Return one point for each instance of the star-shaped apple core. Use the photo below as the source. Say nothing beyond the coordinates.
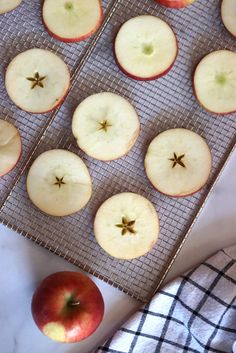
(36, 80)
(59, 182)
(126, 226)
(177, 160)
(104, 125)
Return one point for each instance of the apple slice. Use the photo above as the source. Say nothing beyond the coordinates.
(145, 48)
(67, 306)
(37, 80)
(178, 162)
(105, 126)
(72, 20)
(175, 4)
(8, 5)
(228, 14)
(10, 147)
(58, 183)
(214, 82)
(126, 226)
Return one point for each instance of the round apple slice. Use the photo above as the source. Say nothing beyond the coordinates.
(228, 14)
(175, 4)
(214, 82)
(105, 126)
(178, 162)
(10, 147)
(126, 226)
(8, 5)
(72, 20)
(145, 48)
(58, 183)
(37, 80)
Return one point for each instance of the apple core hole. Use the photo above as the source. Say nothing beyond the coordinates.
(68, 6)
(221, 79)
(59, 182)
(147, 49)
(126, 226)
(104, 125)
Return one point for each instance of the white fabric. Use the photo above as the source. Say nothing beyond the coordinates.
(194, 313)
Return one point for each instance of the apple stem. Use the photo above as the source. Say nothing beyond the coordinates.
(74, 303)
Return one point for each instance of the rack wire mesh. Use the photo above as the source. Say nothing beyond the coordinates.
(161, 104)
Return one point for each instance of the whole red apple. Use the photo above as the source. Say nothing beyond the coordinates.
(175, 4)
(67, 306)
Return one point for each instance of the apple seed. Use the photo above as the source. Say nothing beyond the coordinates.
(177, 160)
(126, 226)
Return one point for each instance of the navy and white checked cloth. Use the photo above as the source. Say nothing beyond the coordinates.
(194, 313)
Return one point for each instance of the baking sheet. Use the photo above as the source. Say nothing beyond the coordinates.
(161, 104)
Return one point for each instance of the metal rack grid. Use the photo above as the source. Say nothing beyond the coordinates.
(20, 30)
(161, 104)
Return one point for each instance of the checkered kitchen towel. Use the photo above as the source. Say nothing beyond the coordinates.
(194, 313)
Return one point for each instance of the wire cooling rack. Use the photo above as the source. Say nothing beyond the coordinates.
(161, 104)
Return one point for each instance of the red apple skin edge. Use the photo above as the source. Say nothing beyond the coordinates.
(20, 154)
(232, 35)
(145, 78)
(123, 155)
(181, 196)
(1, 175)
(58, 104)
(55, 106)
(11, 9)
(46, 214)
(195, 94)
(79, 39)
(175, 4)
(50, 110)
(71, 300)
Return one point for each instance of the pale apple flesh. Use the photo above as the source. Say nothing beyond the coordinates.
(175, 4)
(228, 14)
(145, 48)
(72, 20)
(178, 162)
(214, 82)
(67, 307)
(126, 226)
(59, 183)
(37, 80)
(10, 147)
(8, 5)
(105, 126)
